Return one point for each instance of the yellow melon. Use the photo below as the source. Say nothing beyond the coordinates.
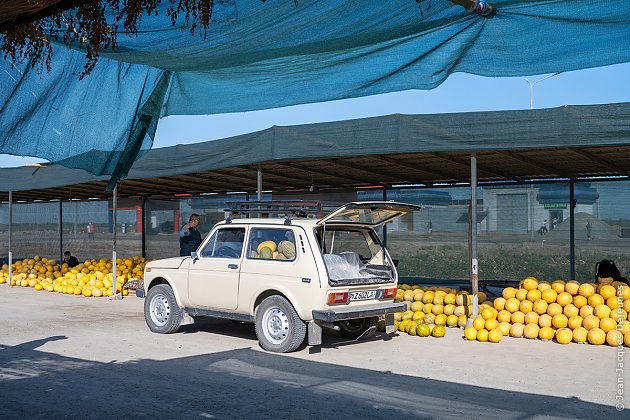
(495, 335)
(529, 283)
(540, 306)
(531, 331)
(460, 310)
(586, 289)
(508, 292)
(418, 316)
(517, 317)
(590, 322)
(482, 297)
(504, 327)
(586, 310)
(417, 306)
(462, 320)
(579, 301)
(580, 334)
(558, 286)
(601, 311)
(595, 300)
(526, 306)
(449, 309)
(521, 294)
(531, 318)
(596, 336)
(504, 316)
(470, 333)
(408, 296)
(546, 333)
(554, 309)
(440, 320)
(544, 285)
(499, 304)
(614, 302)
(626, 339)
(478, 323)
(482, 335)
(96, 292)
(488, 313)
(534, 295)
(572, 287)
(625, 291)
(564, 336)
(625, 327)
(626, 305)
(463, 300)
(564, 299)
(544, 320)
(516, 330)
(570, 310)
(607, 291)
(549, 296)
(559, 321)
(451, 320)
(512, 304)
(417, 295)
(438, 299)
(607, 324)
(427, 308)
(269, 244)
(427, 297)
(491, 324)
(437, 309)
(449, 299)
(575, 321)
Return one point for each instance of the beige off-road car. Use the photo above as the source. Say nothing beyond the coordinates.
(287, 276)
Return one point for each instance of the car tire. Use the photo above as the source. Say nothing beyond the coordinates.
(161, 311)
(354, 329)
(278, 327)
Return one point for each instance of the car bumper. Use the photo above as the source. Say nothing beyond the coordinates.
(342, 314)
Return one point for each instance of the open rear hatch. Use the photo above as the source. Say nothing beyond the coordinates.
(354, 255)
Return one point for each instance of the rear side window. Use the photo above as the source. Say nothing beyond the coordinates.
(271, 244)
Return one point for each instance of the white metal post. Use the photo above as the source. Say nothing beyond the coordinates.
(114, 206)
(473, 232)
(10, 279)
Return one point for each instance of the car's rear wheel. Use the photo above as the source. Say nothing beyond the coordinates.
(278, 327)
(161, 311)
(354, 329)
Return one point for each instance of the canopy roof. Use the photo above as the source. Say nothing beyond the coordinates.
(565, 142)
(275, 53)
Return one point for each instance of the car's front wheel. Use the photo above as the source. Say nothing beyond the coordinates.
(354, 329)
(278, 327)
(161, 311)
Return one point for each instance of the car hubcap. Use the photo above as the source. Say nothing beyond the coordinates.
(160, 310)
(275, 325)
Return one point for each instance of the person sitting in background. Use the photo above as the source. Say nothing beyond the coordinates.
(606, 269)
(70, 260)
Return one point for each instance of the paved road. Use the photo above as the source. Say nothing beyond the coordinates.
(73, 357)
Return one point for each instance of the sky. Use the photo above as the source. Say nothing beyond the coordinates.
(459, 93)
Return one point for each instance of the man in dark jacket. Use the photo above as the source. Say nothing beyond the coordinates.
(189, 236)
(70, 260)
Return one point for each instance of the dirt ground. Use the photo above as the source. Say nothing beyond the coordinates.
(72, 357)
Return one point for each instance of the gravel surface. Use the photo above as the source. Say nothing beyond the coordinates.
(65, 356)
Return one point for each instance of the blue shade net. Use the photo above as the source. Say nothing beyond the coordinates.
(258, 55)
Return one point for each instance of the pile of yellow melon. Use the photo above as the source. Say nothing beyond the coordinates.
(432, 306)
(90, 278)
(559, 311)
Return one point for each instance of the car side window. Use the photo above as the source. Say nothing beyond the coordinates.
(272, 244)
(225, 243)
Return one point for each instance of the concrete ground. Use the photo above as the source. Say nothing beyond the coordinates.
(73, 357)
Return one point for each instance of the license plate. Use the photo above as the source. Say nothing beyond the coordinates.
(362, 295)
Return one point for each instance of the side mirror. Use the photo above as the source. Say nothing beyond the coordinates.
(396, 262)
(194, 256)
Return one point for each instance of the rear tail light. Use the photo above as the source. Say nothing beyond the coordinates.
(335, 298)
(389, 293)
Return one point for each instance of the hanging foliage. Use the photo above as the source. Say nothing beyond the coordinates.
(85, 24)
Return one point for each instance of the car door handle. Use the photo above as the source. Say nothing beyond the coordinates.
(233, 266)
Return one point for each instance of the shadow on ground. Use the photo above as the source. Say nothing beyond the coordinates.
(246, 383)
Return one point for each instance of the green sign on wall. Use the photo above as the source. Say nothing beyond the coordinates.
(555, 205)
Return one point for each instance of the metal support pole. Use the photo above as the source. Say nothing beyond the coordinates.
(143, 220)
(60, 230)
(259, 184)
(385, 225)
(10, 279)
(114, 206)
(572, 228)
(474, 267)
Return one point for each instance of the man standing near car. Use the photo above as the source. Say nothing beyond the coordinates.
(189, 236)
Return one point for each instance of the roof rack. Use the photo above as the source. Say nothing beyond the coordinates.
(289, 208)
